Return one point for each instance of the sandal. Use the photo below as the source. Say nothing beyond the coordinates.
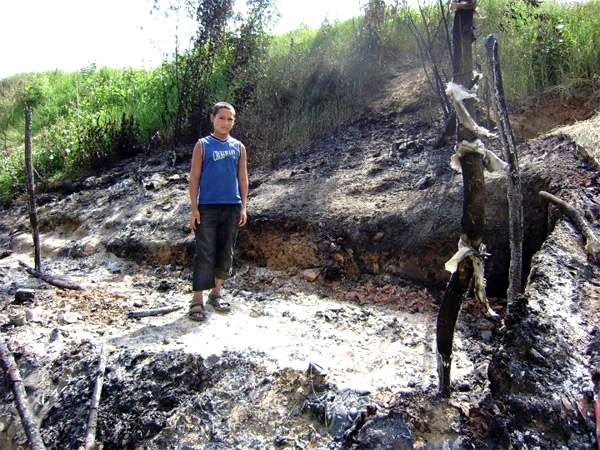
(197, 311)
(219, 303)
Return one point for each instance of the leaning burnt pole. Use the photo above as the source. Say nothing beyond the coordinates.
(468, 259)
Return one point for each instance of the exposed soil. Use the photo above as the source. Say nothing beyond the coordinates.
(369, 215)
(537, 116)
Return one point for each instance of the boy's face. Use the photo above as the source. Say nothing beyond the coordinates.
(223, 121)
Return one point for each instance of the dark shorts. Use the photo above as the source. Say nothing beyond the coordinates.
(215, 241)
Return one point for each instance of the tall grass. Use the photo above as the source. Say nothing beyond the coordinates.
(553, 45)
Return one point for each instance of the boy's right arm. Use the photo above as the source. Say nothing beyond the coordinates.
(195, 173)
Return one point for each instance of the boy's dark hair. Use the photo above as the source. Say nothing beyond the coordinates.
(221, 105)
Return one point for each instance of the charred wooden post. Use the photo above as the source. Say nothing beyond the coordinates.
(13, 378)
(31, 192)
(514, 192)
(473, 217)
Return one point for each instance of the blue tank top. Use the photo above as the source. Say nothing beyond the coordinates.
(219, 177)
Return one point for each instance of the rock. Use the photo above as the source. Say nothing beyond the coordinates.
(69, 317)
(280, 441)
(18, 319)
(33, 315)
(486, 335)
(24, 295)
(386, 431)
(339, 258)
(114, 266)
(264, 275)
(54, 335)
(164, 286)
(156, 181)
(311, 275)
(315, 369)
(339, 421)
(424, 182)
(463, 386)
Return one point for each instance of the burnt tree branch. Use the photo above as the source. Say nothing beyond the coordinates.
(152, 312)
(592, 244)
(513, 192)
(90, 439)
(54, 281)
(13, 377)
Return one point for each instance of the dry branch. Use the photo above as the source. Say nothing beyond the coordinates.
(152, 312)
(90, 439)
(592, 244)
(13, 378)
(54, 281)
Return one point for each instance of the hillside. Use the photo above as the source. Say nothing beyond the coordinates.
(341, 266)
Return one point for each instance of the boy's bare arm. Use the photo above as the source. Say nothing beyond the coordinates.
(195, 173)
(243, 183)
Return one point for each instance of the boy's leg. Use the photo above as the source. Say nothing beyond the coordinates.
(226, 238)
(216, 290)
(205, 255)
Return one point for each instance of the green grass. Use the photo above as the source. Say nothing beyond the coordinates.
(79, 120)
(555, 45)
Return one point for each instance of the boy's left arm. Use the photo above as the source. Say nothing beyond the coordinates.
(243, 183)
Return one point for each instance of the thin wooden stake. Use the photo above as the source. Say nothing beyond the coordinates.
(16, 384)
(513, 192)
(54, 281)
(592, 244)
(31, 192)
(90, 439)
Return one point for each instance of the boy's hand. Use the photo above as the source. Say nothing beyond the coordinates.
(195, 220)
(243, 217)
